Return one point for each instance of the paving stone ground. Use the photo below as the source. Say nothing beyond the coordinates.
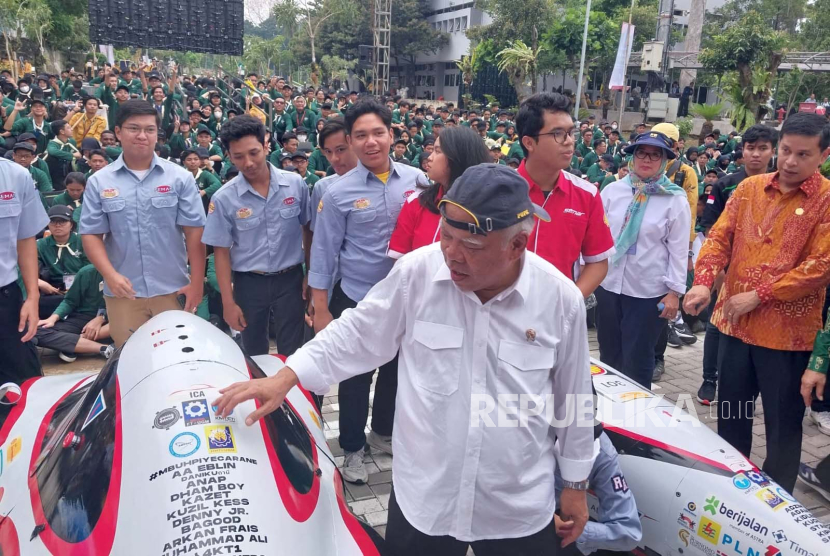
(684, 372)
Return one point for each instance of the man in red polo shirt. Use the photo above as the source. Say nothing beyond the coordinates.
(578, 225)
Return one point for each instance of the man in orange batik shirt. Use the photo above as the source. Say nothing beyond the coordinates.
(774, 237)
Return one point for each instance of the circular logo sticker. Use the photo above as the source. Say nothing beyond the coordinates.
(184, 444)
(166, 418)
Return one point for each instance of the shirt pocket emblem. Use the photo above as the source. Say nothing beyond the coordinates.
(288, 201)
(165, 201)
(363, 216)
(109, 193)
(164, 189)
(244, 212)
(6, 195)
(439, 346)
(113, 205)
(10, 209)
(362, 203)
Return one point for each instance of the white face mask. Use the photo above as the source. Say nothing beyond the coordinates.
(613, 126)
(302, 137)
(24, 89)
(218, 114)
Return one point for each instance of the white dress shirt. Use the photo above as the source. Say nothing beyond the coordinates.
(658, 261)
(453, 478)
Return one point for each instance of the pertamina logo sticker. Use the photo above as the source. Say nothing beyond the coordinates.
(6, 195)
(164, 189)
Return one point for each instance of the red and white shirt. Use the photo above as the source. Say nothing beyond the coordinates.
(577, 227)
(417, 226)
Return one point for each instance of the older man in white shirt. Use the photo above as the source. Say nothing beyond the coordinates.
(476, 318)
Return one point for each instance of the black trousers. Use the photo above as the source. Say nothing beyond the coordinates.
(710, 345)
(258, 295)
(47, 305)
(402, 539)
(65, 334)
(745, 371)
(353, 393)
(18, 361)
(627, 330)
(823, 472)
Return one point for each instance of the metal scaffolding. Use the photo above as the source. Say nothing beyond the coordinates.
(382, 30)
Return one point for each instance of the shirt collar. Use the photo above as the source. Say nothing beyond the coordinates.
(364, 172)
(243, 185)
(520, 286)
(810, 186)
(119, 163)
(561, 183)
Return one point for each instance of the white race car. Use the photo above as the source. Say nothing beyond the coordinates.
(134, 461)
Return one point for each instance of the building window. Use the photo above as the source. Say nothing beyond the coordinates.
(457, 23)
(464, 23)
(451, 25)
(444, 25)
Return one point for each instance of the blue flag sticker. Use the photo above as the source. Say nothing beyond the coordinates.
(97, 408)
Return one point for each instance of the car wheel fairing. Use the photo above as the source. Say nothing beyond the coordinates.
(75, 472)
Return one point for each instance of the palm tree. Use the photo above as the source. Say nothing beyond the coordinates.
(708, 112)
(519, 61)
(467, 66)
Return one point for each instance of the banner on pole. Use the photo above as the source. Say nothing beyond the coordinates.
(623, 53)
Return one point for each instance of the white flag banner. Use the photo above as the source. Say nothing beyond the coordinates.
(623, 53)
(108, 51)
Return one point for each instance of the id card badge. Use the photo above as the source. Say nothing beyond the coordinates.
(68, 279)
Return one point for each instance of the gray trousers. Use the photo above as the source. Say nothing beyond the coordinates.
(65, 334)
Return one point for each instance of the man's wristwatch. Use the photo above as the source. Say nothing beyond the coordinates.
(578, 485)
(691, 254)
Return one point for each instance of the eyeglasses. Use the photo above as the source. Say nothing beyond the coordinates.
(642, 155)
(135, 130)
(559, 135)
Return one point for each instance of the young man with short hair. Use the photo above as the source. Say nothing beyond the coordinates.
(258, 224)
(578, 227)
(141, 227)
(354, 224)
(772, 237)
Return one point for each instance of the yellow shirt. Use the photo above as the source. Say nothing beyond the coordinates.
(383, 177)
(83, 127)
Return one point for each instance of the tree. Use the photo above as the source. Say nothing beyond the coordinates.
(306, 17)
(748, 47)
(412, 35)
(36, 20)
(336, 68)
(512, 21)
(519, 62)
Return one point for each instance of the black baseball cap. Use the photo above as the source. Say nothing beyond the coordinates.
(25, 145)
(495, 196)
(122, 86)
(299, 154)
(60, 212)
(37, 100)
(202, 152)
(26, 137)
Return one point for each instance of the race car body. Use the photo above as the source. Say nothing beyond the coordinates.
(134, 461)
(696, 494)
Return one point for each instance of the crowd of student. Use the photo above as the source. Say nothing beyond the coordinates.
(268, 209)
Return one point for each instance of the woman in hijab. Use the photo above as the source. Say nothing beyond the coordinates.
(649, 218)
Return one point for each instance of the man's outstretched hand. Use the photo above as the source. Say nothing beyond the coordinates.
(269, 392)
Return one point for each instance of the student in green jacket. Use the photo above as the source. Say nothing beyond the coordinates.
(737, 163)
(114, 100)
(61, 151)
(318, 164)
(600, 169)
(78, 324)
(586, 145)
(72, 196)
(109, 144)
(621, 173)
(591, 158)
(36, 123)
(24, 154)
(204, 140)
(398, 153)
(300, 161)
(207, 182)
